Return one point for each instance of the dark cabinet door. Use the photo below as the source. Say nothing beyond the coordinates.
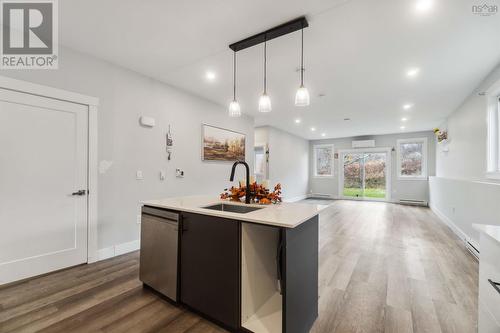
(210, 267)
(300, 276)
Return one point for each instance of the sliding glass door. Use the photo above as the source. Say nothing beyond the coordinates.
(365, 174)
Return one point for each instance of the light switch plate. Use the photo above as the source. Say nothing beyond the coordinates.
(139, 175)
(162, 175)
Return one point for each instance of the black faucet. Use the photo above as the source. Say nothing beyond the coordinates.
(247, 192)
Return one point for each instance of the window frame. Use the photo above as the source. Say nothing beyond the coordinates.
(425, 157)
(315, 169)
(493, 136)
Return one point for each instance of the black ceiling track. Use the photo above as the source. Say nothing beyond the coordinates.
(272, 33)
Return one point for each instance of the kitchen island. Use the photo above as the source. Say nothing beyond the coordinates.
(248, 268)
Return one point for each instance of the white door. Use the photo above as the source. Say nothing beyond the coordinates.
(43, 162)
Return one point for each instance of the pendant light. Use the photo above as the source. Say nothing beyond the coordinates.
(302, 95)
(234, 106)
(264, 100)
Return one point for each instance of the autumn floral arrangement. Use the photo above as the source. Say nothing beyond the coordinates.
(441, 135)
(259, 194)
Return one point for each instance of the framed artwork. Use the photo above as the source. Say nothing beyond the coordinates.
(219, 144)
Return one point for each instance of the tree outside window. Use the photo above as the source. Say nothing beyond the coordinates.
(412, 158)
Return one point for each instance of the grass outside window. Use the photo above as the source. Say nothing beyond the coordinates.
(376, 193)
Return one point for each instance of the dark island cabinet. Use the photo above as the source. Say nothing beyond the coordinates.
(209, 266)
(230, 270)
(299, 264)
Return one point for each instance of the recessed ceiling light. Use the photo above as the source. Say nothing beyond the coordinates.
(210, 76)
(404, 119)
(297, 121)
(323, 134)
(402, 127)
(407, 106)
(412, 72)
(423, 5)
(313, 129)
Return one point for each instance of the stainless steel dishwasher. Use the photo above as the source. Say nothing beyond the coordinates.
(159, 250)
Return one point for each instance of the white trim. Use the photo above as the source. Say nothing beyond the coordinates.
(388, 173)
(315, 175)
(46, 91)
(93, 174)
(456, 230)
(425, 156)
(119, 249)
(493, 135)
(92, 103)
(106, 253)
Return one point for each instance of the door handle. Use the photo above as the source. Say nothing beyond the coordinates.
(79, 192)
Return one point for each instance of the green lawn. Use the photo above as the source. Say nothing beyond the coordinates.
(369, 192)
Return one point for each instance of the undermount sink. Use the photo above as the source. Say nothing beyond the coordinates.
(232, 208)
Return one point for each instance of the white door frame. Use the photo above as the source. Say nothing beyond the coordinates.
(388, 180)
(92, 169)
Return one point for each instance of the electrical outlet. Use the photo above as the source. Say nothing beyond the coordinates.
(162, 175)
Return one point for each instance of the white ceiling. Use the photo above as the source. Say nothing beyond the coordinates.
(356, 54)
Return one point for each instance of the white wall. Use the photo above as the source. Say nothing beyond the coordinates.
(401, 189)
(124, 96)
(467, 130)
(288, 161)
(460, 192)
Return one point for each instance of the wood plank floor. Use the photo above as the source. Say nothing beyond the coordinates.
(383, 268)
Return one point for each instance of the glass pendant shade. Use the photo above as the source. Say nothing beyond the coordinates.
(234, 109)
(264, 103)
(302, 97)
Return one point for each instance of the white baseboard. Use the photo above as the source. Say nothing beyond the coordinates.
(447, 221)
(119, 249)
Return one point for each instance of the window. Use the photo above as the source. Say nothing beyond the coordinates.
(494, 137)
(260, 161)
(412, 158)
(323, 160)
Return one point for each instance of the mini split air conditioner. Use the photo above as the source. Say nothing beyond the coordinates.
(363, 144)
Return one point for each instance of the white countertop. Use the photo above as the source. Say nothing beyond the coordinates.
(491, 230)
(285, 214)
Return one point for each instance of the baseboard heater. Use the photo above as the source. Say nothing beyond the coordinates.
(413, 202)
(472, 249)
(320, 196)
